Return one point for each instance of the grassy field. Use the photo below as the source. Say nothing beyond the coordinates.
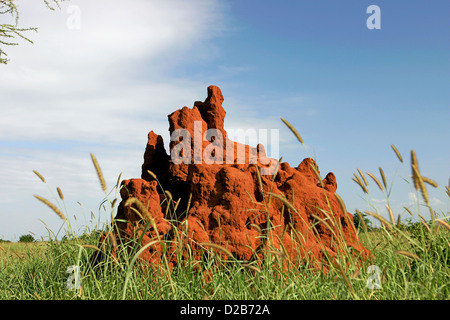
(410, 264)
(410, 261)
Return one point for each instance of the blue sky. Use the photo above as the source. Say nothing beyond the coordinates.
(351, 92)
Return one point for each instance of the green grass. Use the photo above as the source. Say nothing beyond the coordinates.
(38, 271)
(410, 261)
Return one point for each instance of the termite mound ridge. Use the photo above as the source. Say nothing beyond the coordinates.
(248, 205)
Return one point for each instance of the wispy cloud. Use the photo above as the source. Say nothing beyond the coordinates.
(99, 88)
(414, 200)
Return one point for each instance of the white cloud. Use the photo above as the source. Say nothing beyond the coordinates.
(75, 82)
(380, 201)
(435, 202)
(414, 200)
(98, 89)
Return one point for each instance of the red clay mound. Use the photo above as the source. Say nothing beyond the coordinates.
(225, 193)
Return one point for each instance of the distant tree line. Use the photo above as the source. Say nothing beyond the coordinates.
(26, 238)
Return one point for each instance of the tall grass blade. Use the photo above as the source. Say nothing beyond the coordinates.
(131, 265)
(391, 214)
(380, 218)
(349, 285)
(216, 246)
(444, 223)
(284, 200)
(407, 254)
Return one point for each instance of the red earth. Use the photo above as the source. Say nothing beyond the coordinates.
(227, 199)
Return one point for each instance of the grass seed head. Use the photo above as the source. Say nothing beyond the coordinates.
(409, 211)
(51, 206)
(383, 221)
(444, 223)
(415, 173)
(39, 175)
(399, 156)
(421, 184)
(363, 177)
(391, 214)
(216, 246)
(99, 172)
(407, 254)
(359, 182)
(376, 181)
(430, 182)
(152, 174)
(383, 177)
(60, 194)
(294, 131)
